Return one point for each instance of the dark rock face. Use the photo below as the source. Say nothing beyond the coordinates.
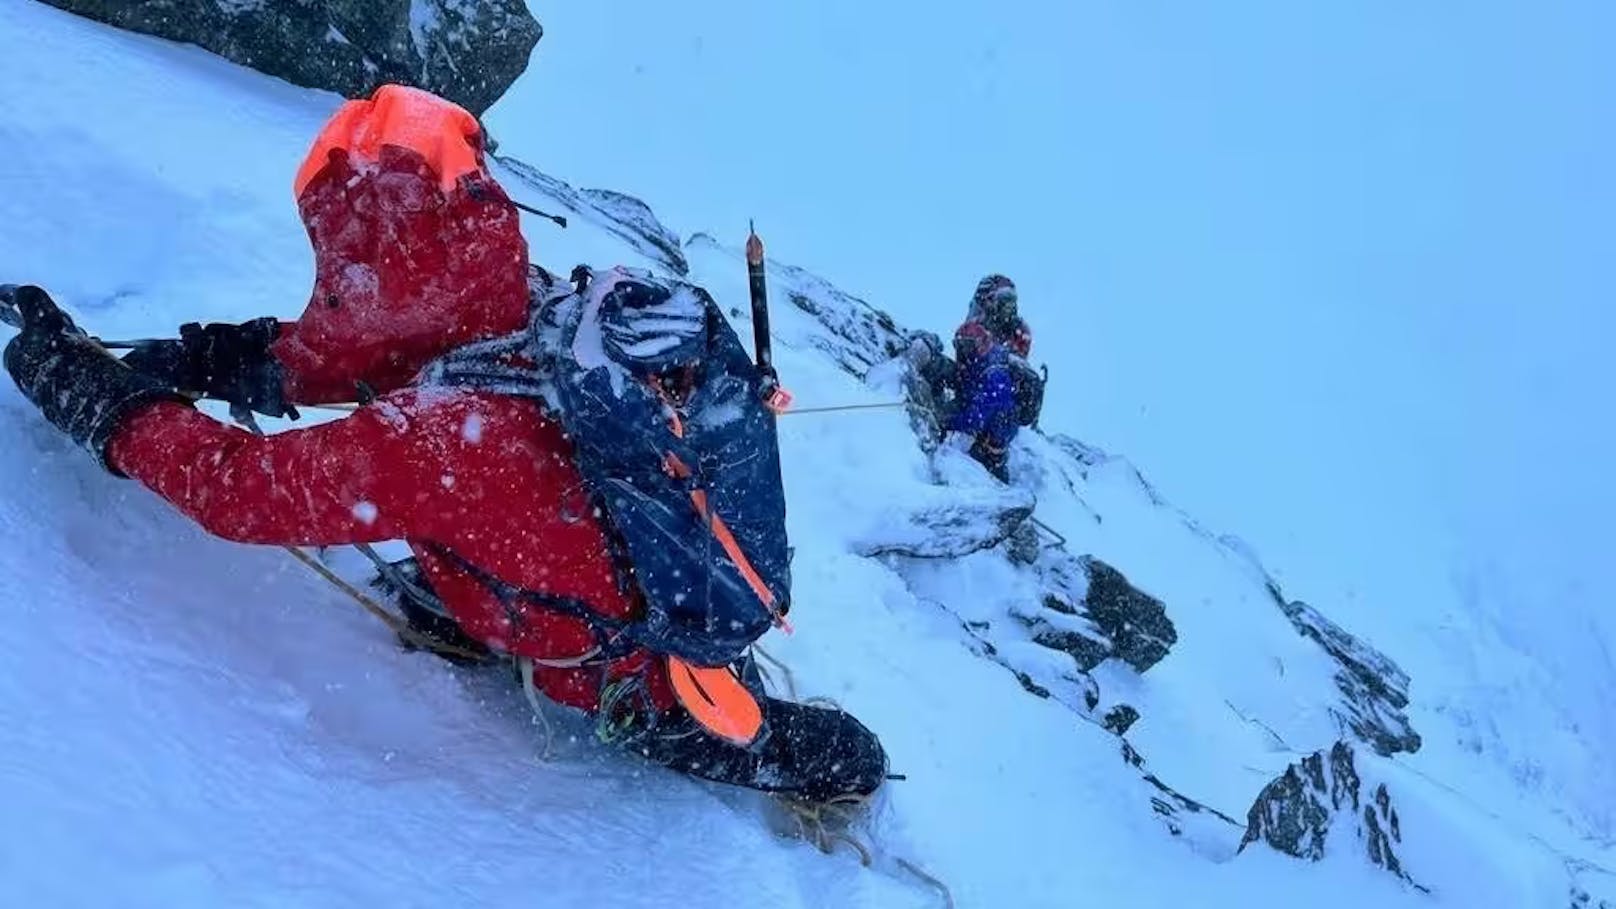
(468, 52)
(1374, 689)
(1092, 612)
(1296, 813)
(1580, 897)
(1119, 719)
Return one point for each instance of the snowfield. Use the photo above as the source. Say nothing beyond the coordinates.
(187, 722)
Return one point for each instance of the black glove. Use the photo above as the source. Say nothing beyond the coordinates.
(221, 361)
(79, 387)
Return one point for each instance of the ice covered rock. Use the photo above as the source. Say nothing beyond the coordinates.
(1182, 815)
(1374, 689)
(1091, 611)
(1591, 887)
(1322, 801)
(948, 522)
(854, 334)
(623, 216)
(467, 52)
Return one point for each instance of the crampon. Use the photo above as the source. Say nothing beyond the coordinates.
(836, 823)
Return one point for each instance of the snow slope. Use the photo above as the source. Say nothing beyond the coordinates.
(1336, 276)
(188, 722)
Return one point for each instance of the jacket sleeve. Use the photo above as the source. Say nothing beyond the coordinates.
(355, 480)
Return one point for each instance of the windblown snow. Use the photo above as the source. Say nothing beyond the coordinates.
(187, 722)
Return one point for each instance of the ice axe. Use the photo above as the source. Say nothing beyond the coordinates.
(481, 195)
(777, 398)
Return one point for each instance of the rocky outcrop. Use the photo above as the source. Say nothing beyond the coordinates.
(949, 524)
(1092, 612)
(1179, 812)
(856, 335)
(1323, 800)
(623, 216)
(1591, 887)
(468, 52)
(1373, 688)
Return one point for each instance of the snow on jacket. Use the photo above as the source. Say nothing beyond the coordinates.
(417, 251)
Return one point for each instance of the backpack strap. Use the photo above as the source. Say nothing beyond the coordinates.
(612, 641)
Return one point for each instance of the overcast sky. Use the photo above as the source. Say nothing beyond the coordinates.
(1335, 275)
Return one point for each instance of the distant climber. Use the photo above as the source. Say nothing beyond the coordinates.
(583, 468)
(981, 398)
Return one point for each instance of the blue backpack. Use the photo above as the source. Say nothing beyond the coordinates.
(664, 408)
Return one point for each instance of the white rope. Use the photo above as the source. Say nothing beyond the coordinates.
(532, 692)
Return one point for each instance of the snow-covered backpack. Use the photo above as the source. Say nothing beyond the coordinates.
(689, 488)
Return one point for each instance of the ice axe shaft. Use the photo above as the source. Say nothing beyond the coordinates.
(481, 195)
(775, 397)
(759, 286)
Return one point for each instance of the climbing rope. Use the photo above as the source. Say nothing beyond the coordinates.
(525, 665)
(785, 673)
(398, 625)
(351, 407)
(829, 823)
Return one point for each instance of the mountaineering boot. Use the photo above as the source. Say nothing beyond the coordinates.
(811, 753)
(996, 458)
(440, 629)
(426, 615)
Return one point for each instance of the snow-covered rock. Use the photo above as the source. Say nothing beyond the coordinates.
(1323, 798)
(1374, 689)
(623, 216)
(1089, 610)
(948, 523)
(854, 334)
(468, 52)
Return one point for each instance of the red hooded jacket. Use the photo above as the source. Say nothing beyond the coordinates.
(417, 251)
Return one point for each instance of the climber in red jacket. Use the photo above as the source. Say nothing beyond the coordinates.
(419, 254)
